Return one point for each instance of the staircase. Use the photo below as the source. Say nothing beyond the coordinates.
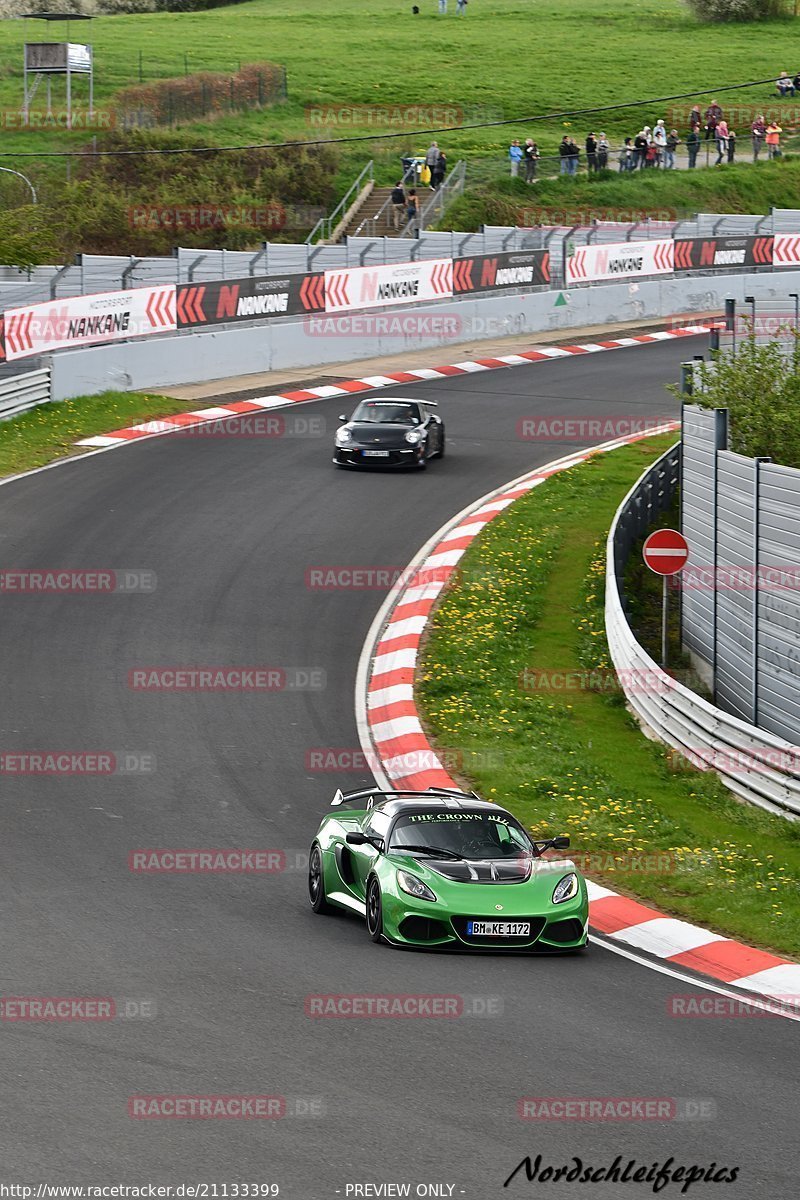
(364, 219)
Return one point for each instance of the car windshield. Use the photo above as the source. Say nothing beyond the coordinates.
(387, 412)
(472, 835)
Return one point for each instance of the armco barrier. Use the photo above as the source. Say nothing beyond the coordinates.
(755, 765)
(18, 393)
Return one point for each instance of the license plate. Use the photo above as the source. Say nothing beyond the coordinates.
(498, 929)
(375, 453)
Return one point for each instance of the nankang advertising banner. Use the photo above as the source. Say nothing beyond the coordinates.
(719, 253)
(88, 320)
(621, 260)
(394, 283)
(249, 299)
(494, 272)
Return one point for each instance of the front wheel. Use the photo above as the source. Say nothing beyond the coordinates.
(316, 881)
(374, 910)
(441, 449)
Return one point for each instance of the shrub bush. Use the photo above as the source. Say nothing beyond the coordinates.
(739, 10)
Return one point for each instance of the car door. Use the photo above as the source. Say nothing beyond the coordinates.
(376, 826)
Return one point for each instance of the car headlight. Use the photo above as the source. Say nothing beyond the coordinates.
(343, 435)
(413, 436)
(413, 886)
(566, 889)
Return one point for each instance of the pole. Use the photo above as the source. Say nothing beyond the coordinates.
(664, 622)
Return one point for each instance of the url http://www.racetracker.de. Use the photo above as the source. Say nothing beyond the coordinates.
(142, 1191)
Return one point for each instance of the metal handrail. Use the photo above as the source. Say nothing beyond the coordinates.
(450, 187)
(382, 213)
(325, 225)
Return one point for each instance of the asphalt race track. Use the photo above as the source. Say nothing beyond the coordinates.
(230, 526)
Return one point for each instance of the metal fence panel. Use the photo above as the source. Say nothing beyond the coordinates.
(778, 615)
(703, 433)
(756, 765)
(734, 581)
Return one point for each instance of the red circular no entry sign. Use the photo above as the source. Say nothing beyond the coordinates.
(666, 551)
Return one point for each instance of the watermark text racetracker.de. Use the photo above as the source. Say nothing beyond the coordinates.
(238, 1106)
(272, 425)
(400, 1006)
(65, 581)
(65, 763)
(14, 1009)
(558, 428)
(706, 1006)
(256, 678)
(448, 326)
(616, 1108)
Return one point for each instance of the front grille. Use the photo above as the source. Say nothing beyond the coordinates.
(537, 924)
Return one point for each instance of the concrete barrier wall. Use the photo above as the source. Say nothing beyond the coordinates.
(199, 357)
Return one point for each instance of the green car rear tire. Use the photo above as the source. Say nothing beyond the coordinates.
(316, 881)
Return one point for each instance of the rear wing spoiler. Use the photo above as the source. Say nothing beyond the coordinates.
(371, 794)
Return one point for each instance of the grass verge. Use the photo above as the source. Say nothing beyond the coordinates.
(526, 617)
(50, 431)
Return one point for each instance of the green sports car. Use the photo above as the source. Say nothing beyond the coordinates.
(446, 870)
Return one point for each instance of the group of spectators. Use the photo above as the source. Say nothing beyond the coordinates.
(405, 202)
(656, 147)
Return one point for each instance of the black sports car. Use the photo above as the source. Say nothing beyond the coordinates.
(390, 433)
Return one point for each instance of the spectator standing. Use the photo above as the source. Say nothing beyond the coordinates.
(412, 210)
(461, 8)
(438, 174)
(651, 154)
(603, 148)
(713, 116)
(627, 155)
(758, 131)
(695, 119)
(398, 199)
(515, 155)
(531, 156)
(591, 153)
(660, 142)
(784, 84)
(431, 157)
(563, 150)
(443, 7)
(773, 140)
(693, 146)
(673, 141)
(721, 136)
(573, 156)
(640, 144)
(731, 145)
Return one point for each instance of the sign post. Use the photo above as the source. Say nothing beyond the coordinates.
(665, 552)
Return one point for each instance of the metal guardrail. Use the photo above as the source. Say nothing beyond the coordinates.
(755, 765)
(21, 392)
(325, 225)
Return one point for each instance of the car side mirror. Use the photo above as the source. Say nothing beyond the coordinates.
(357, 839)
(561, 843)
(342, 417)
